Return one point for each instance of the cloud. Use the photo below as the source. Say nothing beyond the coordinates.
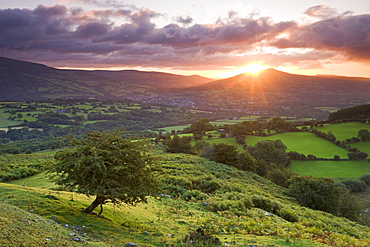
(184, 20)
(321, 11)
(127, 36)
(349, 35)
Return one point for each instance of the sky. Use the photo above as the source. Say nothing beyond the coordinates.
(211, 38)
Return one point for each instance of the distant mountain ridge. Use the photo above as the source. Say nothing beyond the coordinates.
(20, 80)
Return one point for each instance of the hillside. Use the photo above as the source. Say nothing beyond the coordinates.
(271, 92)
(235, 206)
(273, 86)
(154, 79)
(20, 80)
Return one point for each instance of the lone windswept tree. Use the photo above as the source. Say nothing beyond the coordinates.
(111, 168)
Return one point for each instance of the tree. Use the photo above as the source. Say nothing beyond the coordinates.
(104, 164)
(316, 193)
(364, 135)
(200, 126)
(225, 153)
(179, 145)
(270, 151)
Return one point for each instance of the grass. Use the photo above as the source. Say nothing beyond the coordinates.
(229, 140)
(362, 146)
(344, 131)
(332, 169)
(304, 143)
(22, 228)
(164, 222)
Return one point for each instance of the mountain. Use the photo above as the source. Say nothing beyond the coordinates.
(270, 90)
(154, 79)
(273, 87)
(20, 80)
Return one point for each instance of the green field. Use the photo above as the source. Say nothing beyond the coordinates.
(176, 128)
(344, 131)
(362, 146)
(332, 169)
(304, 143)
(231, 141)
(328, 109)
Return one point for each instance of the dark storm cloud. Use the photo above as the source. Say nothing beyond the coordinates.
(349, 35)
(127, 36)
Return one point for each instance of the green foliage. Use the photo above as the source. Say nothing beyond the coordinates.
(193, 195)
(225, 153)
(270, 151)
(366, 178)
(316, 193)
(200, 126)
(246, 162)
(265, 203)
(232, 202)
(280, 176)
(268, 215)
(19, 166)
(360, 112)
(106, 165)
(323, 194)
(353, 185)
(179, 145)
(201, 238)
(364, 134)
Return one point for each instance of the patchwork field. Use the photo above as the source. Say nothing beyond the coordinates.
(332, 169)
(344, 131)
(304, 143)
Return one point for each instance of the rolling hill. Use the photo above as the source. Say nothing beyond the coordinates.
(271, 89)
(20, 80)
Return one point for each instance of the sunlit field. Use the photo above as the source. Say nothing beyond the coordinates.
(304, 143)
(332, 169)
(344, 131)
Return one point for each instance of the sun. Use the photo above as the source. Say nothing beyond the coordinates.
(254, 68)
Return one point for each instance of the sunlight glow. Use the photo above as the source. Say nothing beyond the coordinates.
(253, 68)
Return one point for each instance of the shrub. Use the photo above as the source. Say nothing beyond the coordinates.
(281, 176)
(191, 195)
(234, 202)
(201, 238)
(354, 185)
(266, 204)
(288, 214)
(366, 178)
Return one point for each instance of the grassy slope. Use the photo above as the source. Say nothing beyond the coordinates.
(22, 228)
(303, 142)
(163, 222)
(332, 169)
(344, 131)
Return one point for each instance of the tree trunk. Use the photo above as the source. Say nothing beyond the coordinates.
(99, 200)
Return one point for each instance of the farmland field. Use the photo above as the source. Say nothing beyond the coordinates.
(344, 131)
(362, 146)
(328, 109)
(304, 143)
(332, 169)
(231, 141)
